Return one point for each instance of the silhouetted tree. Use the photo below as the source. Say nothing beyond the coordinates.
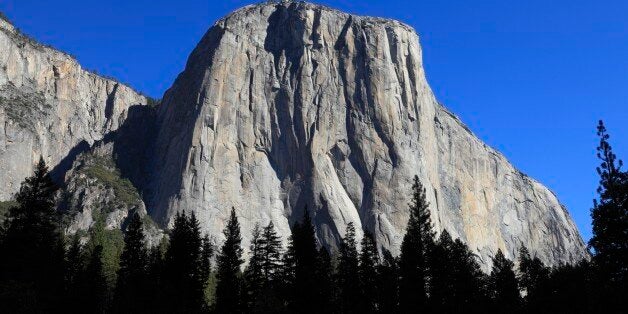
(254, 274)
(503, 284)
(32, 263)
(415, 250)
(533, 280)
(94, 289)
(300, 267)
(574, 289)
(348, 274)
(228, 290)
(388, 283)
(182, 266)
(75, 264)
(369, 285)
(442, 288)
(610, 224)
(456, 285)
(325, 287)
(468, 278)
(130, 290)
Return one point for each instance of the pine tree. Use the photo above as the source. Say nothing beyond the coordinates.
(254, 274)
(442, 288)
(132, 275)
(533, 280)
(468, 280)
(348, 274)
(32, 263)
(388, 281)
(456, 285)
(610, 216)
(299, 267)
(182, 266)
(271, 253)
(94, 284)
(228, 290)
(369, 263)
(503, 285)
(325, 288)
(204, 272)
(415, 251)
(75, 263)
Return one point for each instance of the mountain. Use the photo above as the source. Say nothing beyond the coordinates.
(281, 106)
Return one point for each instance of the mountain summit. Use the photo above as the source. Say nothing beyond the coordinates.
(291, 106)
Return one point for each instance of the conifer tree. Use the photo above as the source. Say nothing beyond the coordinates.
(442, 288)
(369, 263)
(300, 267)
(271, 252)
(503, 285)
(228, 290)
(130, 294)
(73, 272)
(468, 280)
(415, 252)
(456, 285)
(204, 272)
(348, 274)
(325, 288)
(254, 274)
(610, 217)
(533, 280)
(94, 284)
(388, 281)
(32, 263)
(182, 266)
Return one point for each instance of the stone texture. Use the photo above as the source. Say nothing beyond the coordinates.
(95, 189)
(50, 106)
(292, 104)
(280, 106)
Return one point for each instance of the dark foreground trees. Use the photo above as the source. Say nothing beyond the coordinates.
(41, 271)
(31, 249)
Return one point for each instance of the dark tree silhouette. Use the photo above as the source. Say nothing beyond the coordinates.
(388, 281)
(130, 296)
(415, 251)
(533, 281)
(503, 284)
(610, 222)
(229, 288)
(94, 296)
(182, 266)
(32, 263)
(369, 264)
(254, 274)
(325, 287)
(348, 274)
(299, 271)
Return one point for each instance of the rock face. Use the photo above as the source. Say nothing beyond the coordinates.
(283, 106)
(51, 107)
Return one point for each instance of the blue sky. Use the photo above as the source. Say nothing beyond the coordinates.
(530, 78)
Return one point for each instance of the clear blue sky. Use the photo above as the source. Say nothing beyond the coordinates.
(531, 78)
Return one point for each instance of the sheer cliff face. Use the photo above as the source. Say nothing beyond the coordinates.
(50, 106)
(286, 105)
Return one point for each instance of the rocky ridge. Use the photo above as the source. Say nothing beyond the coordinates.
(287, 105)
(280, 106)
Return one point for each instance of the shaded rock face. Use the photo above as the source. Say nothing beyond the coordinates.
(283, 106)
(51, 107)
(96, 189)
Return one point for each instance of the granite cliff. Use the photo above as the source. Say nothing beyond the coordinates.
(280, 106)
(283, 106)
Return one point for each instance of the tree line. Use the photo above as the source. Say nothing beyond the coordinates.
(44, 271)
